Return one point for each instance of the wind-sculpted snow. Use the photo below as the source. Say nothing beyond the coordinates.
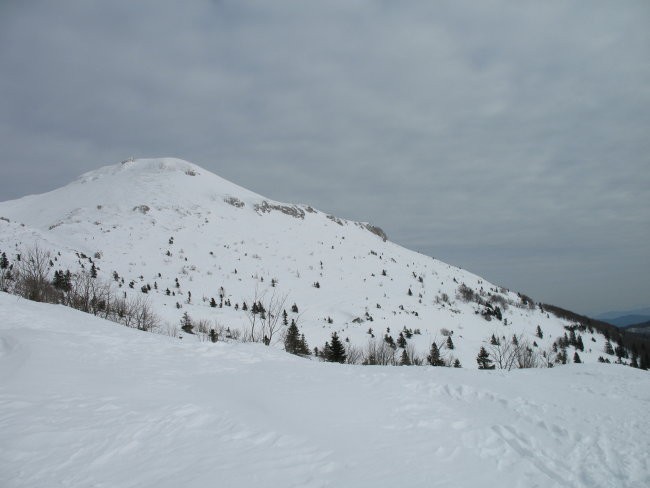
(84, 402)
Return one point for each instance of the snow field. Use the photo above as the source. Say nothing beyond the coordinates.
(85, 402)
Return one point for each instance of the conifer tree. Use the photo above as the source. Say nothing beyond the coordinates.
(494, 341)
(4, 262)
(434, 358)
(483, 360)
(335, 352)
(213, 335)
(539, 332)
(405, 360)
(292, 339)
(186, 323)
(401, 341)
(213, 302)
(576, 358)
(457, 363)
(303, 347)
(450, 343)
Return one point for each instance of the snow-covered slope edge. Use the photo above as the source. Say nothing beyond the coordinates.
(84, 402)
(184, 237)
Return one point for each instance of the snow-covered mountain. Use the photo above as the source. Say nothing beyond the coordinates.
(184, 236)
(86, 403)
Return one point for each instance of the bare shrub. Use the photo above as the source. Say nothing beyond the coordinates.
(353, 354)
(499, 300)
(379, 353)
(32, 278)
(466, 294)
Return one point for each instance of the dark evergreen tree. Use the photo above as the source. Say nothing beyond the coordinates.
(401, 341)
(483, 360)
(576, 358)
(303, 347)
(450, 343)
(539, 332)
(457, 363)
(4, 262)
(434, 358)
(213, 302)
(186, 323)
(573, 340)
(620, 352)
(213, 335)
(292, 339)
(405, 360)
(93, 271)
(497, 313)
(335, 351)
(579, 344)
(294, 308)
(285, 318)
(409, 293)
(494, 341)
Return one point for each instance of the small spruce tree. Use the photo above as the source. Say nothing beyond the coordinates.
(335, 351)
(434, 358)
(450, 343)
(483, 360)
(292, 339)
(405, 360)
(186, 323)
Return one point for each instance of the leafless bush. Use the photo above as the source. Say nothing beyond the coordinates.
(379, 353)
(499, 300)
(265, 321)
(466, 294)
(353, 354)
(32, 278)
(516, 353)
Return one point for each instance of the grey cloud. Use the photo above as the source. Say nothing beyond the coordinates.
(510, 139)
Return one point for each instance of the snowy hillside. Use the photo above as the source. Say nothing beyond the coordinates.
(85, 402)
(197, 244)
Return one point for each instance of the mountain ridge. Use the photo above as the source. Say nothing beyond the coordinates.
(187, 239)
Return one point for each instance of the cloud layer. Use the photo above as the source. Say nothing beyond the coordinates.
(510, 139)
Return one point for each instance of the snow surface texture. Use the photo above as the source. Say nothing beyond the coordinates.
(85, 402)
(156, 221)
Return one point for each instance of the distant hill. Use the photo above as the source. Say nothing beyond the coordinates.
(642, 328)
(623, 318)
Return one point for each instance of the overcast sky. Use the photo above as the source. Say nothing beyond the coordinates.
(509, 138)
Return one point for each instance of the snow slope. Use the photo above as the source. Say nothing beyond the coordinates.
(85, 402)
(159, 222)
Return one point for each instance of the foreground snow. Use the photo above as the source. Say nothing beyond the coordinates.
(84, 402)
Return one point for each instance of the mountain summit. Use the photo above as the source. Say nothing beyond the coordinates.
(199, 246)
